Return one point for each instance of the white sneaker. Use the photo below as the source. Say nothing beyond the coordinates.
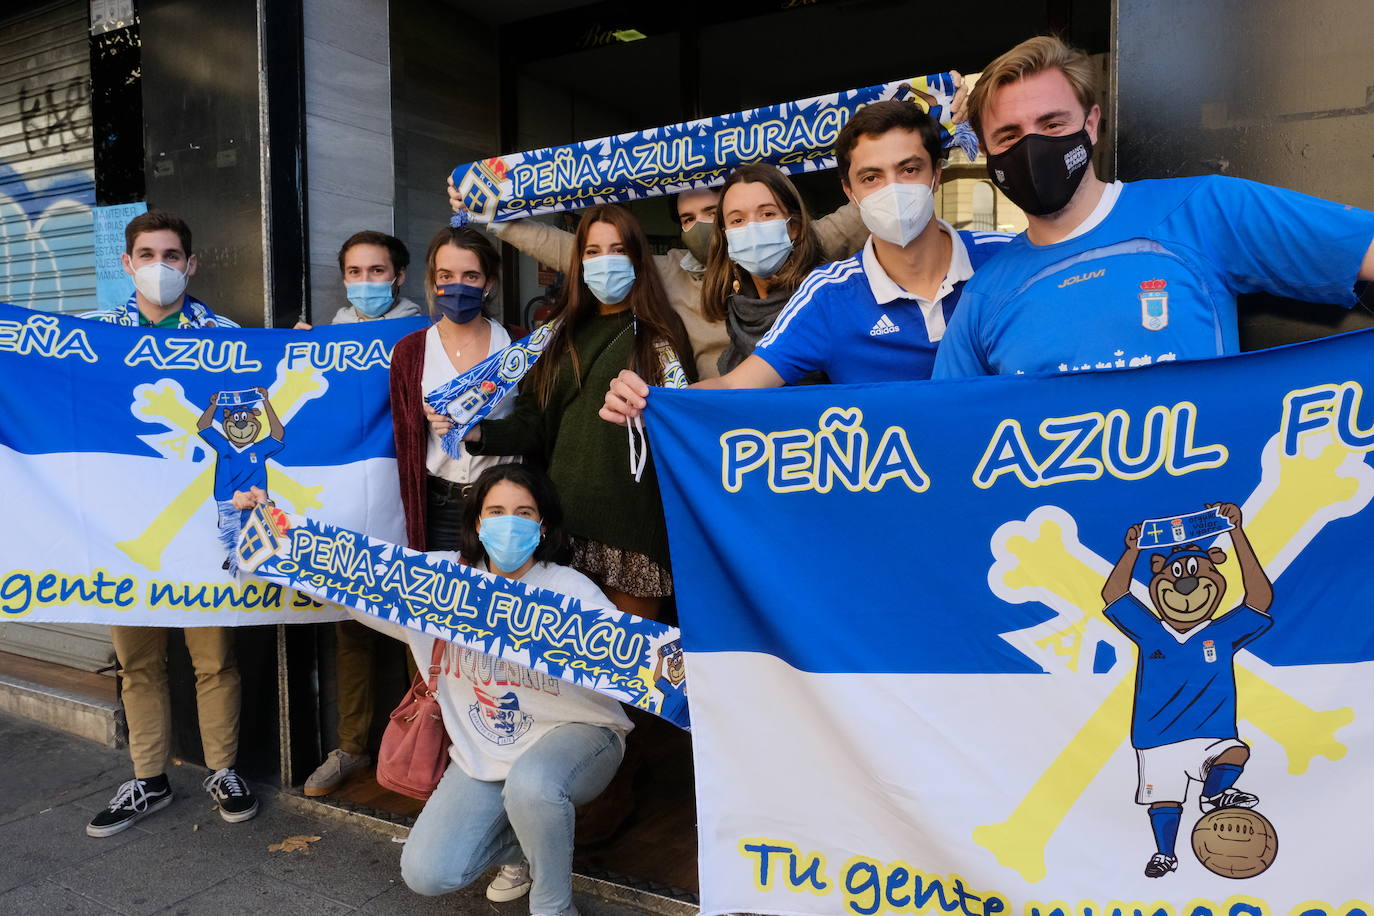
(511, 883)
(337, 768)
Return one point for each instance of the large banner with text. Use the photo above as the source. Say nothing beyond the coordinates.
(121, 449)
(1049, 646)
(794, 136)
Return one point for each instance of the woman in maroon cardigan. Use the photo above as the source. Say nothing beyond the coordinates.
(461, 267)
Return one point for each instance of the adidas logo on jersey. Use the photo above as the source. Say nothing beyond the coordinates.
(1156, 654)
(883, 325)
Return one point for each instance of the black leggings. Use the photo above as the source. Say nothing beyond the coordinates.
(444, 513)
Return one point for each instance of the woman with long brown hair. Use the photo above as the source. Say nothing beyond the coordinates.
(614, 315)
(765, 246)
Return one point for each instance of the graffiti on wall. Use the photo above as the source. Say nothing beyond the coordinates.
(47, 190)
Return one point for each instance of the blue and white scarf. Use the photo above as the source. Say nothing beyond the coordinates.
(470, 397)
(194, 314)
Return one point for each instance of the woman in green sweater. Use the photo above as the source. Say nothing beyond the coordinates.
(614, 315)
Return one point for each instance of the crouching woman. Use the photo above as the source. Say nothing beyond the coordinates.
(527, 747)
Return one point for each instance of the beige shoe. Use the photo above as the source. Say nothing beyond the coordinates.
(337, 769)
(511, 883)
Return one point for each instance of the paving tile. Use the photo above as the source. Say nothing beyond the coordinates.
(346, 864)
(165, 867)
(253, 893)
(41, 845)
(49, 899)
(72, 768)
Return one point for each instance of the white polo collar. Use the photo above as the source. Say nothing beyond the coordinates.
(886, 290)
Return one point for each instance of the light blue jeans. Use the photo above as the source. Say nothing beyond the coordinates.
(230, 523)
(468, 825)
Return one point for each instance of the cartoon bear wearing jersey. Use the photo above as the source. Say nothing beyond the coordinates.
(240, 459)
(670, 679)
(1183, 725)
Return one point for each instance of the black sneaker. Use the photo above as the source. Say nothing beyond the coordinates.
(236, 802)
(133, 801)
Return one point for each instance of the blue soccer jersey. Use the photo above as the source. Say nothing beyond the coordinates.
(1155, 280)
(852, 322)
(239, 469)
(674, 700)
(1185, 683)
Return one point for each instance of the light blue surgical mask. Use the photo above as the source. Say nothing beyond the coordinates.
(760, 248)
(371, 297)
(609, 277)
(510, 540)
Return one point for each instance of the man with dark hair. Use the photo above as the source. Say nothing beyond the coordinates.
(1128, 273)
(373, 265)
(158, 256)
(879, 315)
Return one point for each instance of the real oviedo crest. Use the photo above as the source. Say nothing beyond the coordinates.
(1154, 305)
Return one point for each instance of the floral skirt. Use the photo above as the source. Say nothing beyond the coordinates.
(623, 570)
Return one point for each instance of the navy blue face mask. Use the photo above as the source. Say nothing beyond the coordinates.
(460, 302)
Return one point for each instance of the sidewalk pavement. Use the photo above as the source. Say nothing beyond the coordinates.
(184, 859)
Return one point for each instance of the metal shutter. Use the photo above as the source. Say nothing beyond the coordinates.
(47, 239)
(47, 163)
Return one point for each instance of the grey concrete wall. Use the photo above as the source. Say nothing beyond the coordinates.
(445, 112)
(1269, 90)
(350, 164)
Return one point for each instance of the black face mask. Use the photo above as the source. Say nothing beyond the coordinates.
(1040, 173)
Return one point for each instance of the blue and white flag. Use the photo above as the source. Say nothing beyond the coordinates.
(121, 449)
(628, 658)
(794, 136)
(935, 669)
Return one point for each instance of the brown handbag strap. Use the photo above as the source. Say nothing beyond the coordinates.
(435, 657)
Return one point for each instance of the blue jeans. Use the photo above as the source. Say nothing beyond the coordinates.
(230, 524)
(468, 825)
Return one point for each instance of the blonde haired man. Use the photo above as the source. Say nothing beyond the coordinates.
(1128, 273)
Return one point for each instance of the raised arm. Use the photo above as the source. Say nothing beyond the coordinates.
(1259, 591)
(207, 418)
(1119, 580)
(274, 425)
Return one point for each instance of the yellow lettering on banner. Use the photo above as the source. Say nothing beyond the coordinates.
(1318, 908)
(1085, 445)
(872, 886)
(336, 355)
(802, 460)
(216, 597)
(777, 863)
(41, 335)
(192, 353)
(23, 591)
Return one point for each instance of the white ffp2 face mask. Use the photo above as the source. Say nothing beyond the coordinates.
(899, 212)
(161, 284)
